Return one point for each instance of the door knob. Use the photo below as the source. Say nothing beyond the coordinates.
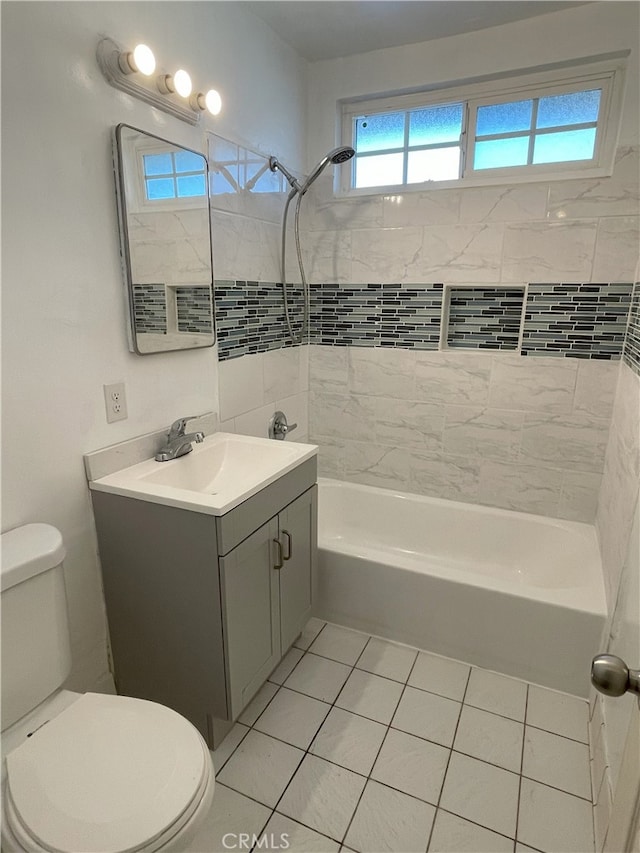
(611, 676)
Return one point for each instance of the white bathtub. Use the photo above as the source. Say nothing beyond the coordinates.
(513, 592)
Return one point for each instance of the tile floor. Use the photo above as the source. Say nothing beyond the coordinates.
(358, 744)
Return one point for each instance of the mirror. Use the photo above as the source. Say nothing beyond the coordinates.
(163, 214)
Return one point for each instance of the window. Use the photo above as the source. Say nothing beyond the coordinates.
(173, 174)
(527, 128)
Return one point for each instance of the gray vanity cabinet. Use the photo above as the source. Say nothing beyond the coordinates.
(298, 536)
(251, 614)
(266, 590)
(202, 608)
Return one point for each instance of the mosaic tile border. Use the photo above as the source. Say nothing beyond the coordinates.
(576, 320)
(150, 309)
(250, 316)
(631, 353)
(569, 320)
(485, 317)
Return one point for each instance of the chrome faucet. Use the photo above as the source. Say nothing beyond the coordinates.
(178, 442)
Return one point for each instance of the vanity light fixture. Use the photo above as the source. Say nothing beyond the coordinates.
(132, 72)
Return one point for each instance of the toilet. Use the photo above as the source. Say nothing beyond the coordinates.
(83, 772)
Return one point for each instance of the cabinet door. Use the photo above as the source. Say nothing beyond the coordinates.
(251, 615)
(299, 537)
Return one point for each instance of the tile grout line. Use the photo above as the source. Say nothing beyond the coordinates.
(386, 734)
(524, 737)
(446, 770)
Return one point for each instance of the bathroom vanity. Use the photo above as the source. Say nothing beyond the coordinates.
(205, 595)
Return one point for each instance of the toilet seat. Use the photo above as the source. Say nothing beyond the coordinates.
(109, 773)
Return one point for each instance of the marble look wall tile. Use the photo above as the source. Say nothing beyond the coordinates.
(376, 465)
(410, 424)
(329, 369)
(444, 377)
(427, 208)
(446, 476)
(477, 431)
(386, 255)
(548, 251)
(330, 455)
(579, 496)
(460, 253)
(619, 491)
(617, 245)
(520, 487)
(595, 387)
(254, 422)
(328, 256)
(610, 196)
(504, 204)
(326, 212)
(241, 385)
(347, 417)
(575, 442)
(535, 385)
(245, 248)
(283, 371)
(382, 372)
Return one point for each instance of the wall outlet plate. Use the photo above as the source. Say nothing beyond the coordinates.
(115, 402)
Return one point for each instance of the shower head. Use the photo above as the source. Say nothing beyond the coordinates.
(335, 156)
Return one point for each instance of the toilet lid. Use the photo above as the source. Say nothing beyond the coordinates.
(109, 773)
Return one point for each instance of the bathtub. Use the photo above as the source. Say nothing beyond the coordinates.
(516, 593)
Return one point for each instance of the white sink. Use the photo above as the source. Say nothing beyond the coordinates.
(216, 476)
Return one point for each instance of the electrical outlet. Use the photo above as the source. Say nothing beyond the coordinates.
(115, 402)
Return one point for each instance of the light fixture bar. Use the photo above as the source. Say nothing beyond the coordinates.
(108, 55)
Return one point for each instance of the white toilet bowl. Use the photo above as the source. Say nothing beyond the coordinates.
(106, 773)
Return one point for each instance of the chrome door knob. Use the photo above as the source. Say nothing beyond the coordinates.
(611, 676)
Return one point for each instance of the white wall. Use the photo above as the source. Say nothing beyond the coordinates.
(63, 302)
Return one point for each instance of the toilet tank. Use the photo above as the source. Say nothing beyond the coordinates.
(36, 655)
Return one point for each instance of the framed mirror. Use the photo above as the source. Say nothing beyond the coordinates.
(163, 215)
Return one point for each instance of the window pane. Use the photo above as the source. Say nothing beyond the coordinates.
(436, 164)
(158, 164)
(190, 185)
(187, 161)
(561, 147)
(498, 153)
(504, 118)
(435, 124)
(378, 171)
(569, 109)
(374, 133)
(160, 188)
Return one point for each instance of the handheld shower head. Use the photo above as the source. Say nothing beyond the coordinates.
(335, 156)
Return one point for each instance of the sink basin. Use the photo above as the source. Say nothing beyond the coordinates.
(217, 475)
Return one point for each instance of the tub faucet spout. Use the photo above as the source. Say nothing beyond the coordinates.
(178, 441)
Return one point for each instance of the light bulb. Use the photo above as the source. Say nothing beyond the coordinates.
(213, 102)
(182, 83)
(144, 59)
(140, 59)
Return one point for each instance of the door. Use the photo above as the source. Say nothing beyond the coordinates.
(622, 713)
(299, 538)
(251, 611)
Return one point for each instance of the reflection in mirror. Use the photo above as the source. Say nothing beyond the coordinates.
(163, 209)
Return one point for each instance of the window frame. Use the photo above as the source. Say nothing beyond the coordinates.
(138, 191)
(606, 73)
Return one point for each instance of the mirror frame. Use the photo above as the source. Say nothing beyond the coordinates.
(125, 243)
